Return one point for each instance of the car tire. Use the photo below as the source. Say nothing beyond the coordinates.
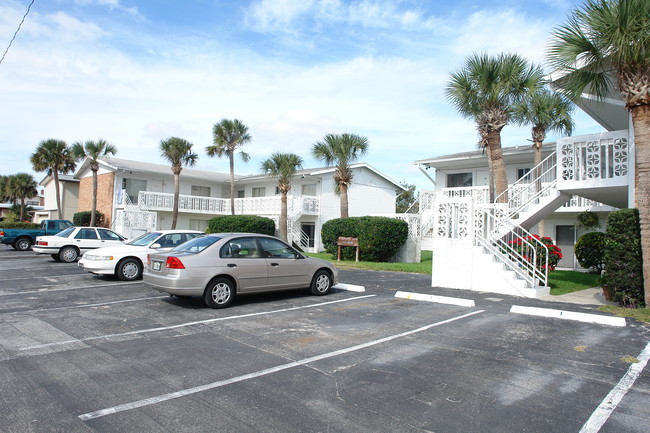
(56, 257)
(129, 270)
(321, 283)
(23, 244)
(219, 293)
(68, 254)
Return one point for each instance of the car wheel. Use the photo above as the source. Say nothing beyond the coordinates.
(56, 257)
(68, 254)
(219, 293)
(129, 270)
(23, 244)
(321, 283)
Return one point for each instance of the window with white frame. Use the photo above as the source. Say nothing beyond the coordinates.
(459, 180)
(309, 189)
(259, 191)
(523, 173)
(200, 191)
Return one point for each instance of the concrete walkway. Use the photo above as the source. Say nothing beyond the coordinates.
(593, 296)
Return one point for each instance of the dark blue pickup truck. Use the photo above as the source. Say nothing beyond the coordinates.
(23, 239)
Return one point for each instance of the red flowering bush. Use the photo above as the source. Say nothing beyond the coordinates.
(554, 252)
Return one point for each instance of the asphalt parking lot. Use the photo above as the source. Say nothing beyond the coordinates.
(81, 353)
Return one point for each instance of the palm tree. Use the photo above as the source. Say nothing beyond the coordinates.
(53, 156)
(283, 166)
(4, 184)
(179, 153)
(607, 39)
(22, 186)
(93, 150)
(341, 150)
(486, 90)
(228, 135)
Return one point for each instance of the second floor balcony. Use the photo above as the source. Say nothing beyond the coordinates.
(263, 206)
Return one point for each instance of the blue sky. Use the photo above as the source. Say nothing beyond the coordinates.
(137, 72)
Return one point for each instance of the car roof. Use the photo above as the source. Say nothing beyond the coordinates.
(166, 232)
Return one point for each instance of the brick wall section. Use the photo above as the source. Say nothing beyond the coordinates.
(105, 184)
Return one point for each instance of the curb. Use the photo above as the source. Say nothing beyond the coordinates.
(569, 315)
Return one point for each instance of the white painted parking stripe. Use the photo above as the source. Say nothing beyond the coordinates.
(199, 322)
(47, 290)
(569, 315)
(220, 383)
(434, 298)
(609, 403)
(349, 287)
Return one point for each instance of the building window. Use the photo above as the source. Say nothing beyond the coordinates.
(277, 190)
(309, 189)
(133, 188)
(458, 180)
(241, 193)
(200, 191)
(259, 192)
(523, 173)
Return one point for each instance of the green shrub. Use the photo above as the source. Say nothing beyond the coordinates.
(82, 219)
(379, 237)
(19, 225)
(241, 224)
(590, 251)
(623, 262)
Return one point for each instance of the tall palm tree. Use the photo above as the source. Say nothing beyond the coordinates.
(341, 150)
(606, 39)
(93, 150)
(22, 186)
(53, 156)
(284, 167)
(4, 184)
(179, 153)
(486, 90)
(228, 136)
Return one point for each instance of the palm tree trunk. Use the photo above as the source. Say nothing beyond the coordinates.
(283, 216)
(93, 207)
(22, 208)
(176, 195)
(491, 177)
(55, 175)
(641, 122)
(496, 155)
(232, 182)
(344, 200)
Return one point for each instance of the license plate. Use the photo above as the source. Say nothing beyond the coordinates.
(156, 266)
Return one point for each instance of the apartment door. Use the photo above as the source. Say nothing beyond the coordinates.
(310, 231)
(565, 239)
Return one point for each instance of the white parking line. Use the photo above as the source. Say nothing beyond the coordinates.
(183, 325)
(48, 290)
(220, 383)
(609, 403)
(438, 299)
(569, 315)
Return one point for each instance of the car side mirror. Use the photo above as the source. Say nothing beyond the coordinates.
(155, 246)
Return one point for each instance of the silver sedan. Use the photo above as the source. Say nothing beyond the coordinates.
(221, 265)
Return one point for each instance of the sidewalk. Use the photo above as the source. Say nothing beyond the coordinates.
(593, 296)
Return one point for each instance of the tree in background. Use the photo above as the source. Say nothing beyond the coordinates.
(603, 47)
(22, 186)
(407, 201)
(53, 156)
(486, 90)
(284, 167)
(228, 136)
(179, 153)
(341, 150)
(93, 150)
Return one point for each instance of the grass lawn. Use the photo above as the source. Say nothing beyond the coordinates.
(562, 282)
(424, 267)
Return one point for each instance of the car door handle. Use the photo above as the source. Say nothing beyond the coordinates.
(232, 265)
(275, 265)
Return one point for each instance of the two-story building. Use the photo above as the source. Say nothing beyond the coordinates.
(137, 196)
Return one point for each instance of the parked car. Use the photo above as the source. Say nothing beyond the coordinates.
(23, 239)
(219, 266)
(126, 261)
(68, 245)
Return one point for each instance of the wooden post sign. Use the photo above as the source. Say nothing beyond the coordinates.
(345, 241)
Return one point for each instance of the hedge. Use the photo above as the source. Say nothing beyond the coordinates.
(241, 224)
(380, 238)
(623, 263)
(82, 219)
(590, 251)
(19, 225)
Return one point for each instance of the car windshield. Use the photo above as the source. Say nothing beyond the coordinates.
(65, 233)
(196, 245)
(145, 239)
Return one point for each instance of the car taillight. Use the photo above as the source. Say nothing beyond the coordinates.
(2, 233)
(148, 259)
(174, 263)
(42, 243)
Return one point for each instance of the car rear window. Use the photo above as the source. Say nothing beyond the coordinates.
(65, 233)
(196, 245)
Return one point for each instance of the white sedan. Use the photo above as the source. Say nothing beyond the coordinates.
(68, 245)
(126, 261)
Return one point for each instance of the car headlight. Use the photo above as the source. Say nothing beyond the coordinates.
(93, 257)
